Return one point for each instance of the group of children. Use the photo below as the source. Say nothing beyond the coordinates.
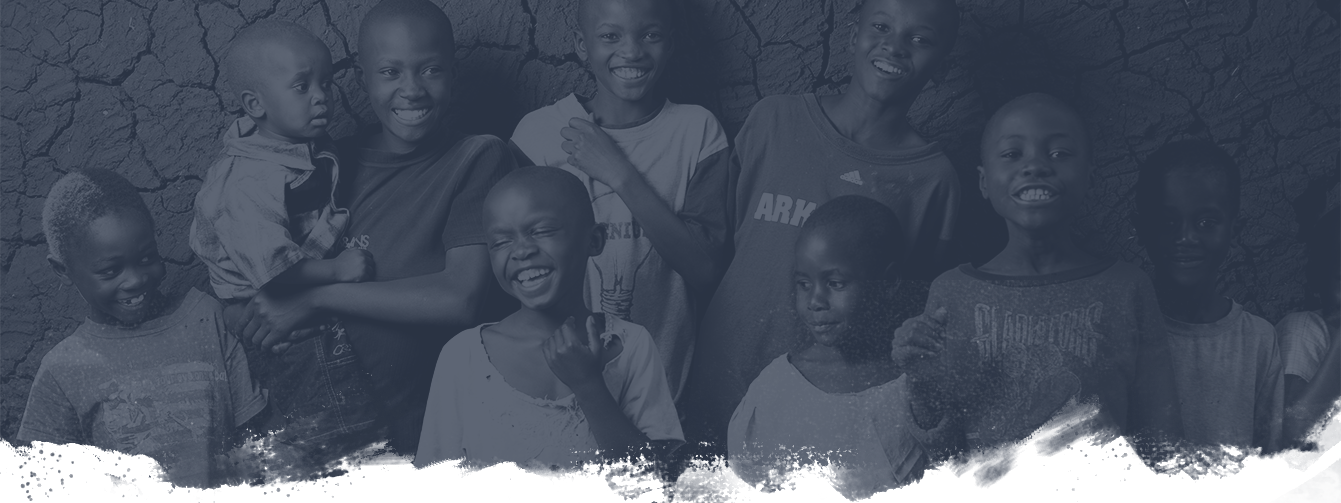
(651, 284)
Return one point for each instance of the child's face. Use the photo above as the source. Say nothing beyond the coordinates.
(897, 46)
(294, 90)
(537, 250)
(1189, 234)
(626, 44)
(407, 72)
(1035, 165)
(830, 285)
(117, 270)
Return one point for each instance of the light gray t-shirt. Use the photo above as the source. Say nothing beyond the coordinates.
(1230, 385)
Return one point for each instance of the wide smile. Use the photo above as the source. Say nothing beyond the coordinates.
(133, 302)
(629, 73)
(1036, 194)
(321, 119)
(888, 69)
(532, 278)
(411, 116)
(823, 327)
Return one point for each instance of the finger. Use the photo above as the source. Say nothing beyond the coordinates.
(572, 161)
(593, 335)
(568, 147)
(581, 124)
(281, 348)
(273, 337)
(938, 315)
(569, 133)
(252, 331)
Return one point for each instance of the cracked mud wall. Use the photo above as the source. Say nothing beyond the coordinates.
(132, 86)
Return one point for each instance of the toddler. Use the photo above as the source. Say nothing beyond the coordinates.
(265, 219)
(145, 373)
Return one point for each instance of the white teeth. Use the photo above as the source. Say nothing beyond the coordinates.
(1035, 194)
(532, 275)
(410, 115)
(133, 301)
(625, 72)
(887, 68)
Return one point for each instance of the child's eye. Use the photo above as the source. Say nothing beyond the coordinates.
(498, 244)
(1059, 154)
(1011, 154)
(432, 70)
(653, 37)
(110, 272)
(837, 284)
(389, 73)
(880, 27)
(301, 87)
(609, 37)
(803, 284)
(150, 259)
(920, 40)
(1207, 223)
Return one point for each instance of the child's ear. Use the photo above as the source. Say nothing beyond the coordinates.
(580, 45)
(59, 268)
(597, 241)
(982, 181)
(251, 104)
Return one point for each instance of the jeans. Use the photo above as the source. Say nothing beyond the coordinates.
(317, 385)
(294, 476)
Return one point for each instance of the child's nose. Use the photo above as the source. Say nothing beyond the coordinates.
(632, 49)
(1187, 232)
(133, 278)
(1037, 167)
(819, 300)
(411, 88)
(523, 248)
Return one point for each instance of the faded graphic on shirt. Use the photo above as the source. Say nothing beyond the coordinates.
(615, 270)
(1031, 443)
(154, 408)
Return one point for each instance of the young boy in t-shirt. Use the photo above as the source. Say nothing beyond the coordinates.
(551, 383)
(145, 373)
(1310, 341)
(265, 219)
(1226, 362)
(796, 152)
(655, 172)
(415, 191)
(1043, 324)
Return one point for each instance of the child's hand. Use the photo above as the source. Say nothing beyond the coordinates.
(573, 354)
(271, 319)
(595, 153)
(353, 265)
(921, 338)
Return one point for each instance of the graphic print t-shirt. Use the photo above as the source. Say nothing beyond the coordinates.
(682, 153)
(172, 389)
(408, 210)
(1020, 348)
(789, 159)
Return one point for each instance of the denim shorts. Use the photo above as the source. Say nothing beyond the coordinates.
(317, 385)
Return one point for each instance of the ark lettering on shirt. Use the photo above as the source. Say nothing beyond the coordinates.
(1071, 331)
(784, 209)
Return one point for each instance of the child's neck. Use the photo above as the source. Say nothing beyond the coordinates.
(832, 371)
(609, 111)
(264, 130)
(875, 124)
(1038, 253)
(1192, 304)
(547, 321)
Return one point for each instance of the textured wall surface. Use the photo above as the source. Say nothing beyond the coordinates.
(131, 86)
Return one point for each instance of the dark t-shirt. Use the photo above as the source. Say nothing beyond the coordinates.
(1018, 349)
(408, 210)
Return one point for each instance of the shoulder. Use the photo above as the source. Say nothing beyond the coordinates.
(74, 349)
(463, 342)
(777, 372)
(480, 144)
(542, 122)
(778, 103)
(952, 279)
(1304, 322)
(1254, 324)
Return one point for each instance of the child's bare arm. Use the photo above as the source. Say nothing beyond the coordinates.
(447, 297)
(688, 252)
(573, 354)
(1315, 397)
(66, 476)
(251, 462)
(351, 266)
(443, 494)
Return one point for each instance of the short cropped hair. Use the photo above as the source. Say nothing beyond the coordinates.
(872, 227)
(1323, 247)
(408, 9)
(673, 10)
(552, 180)
(239, 61)
(1200, 156)
(81, 197)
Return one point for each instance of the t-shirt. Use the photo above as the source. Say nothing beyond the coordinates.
(1313, 476)
(866, 434)
(1230, 387)
(263, 207)
(408, 210)
(1019, 348)
(173, 388)
(789, 159)
(682, 153)
(473, 413)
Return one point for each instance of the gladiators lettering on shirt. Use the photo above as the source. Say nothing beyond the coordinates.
(1070, 332)
(783, 209)
(1031, 443)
